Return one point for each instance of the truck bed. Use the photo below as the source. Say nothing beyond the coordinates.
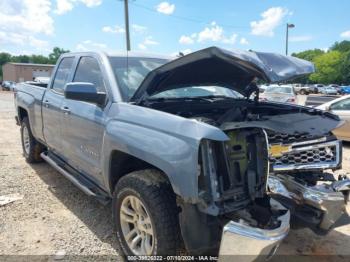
(29, 98)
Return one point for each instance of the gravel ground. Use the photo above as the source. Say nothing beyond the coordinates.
(54, 217)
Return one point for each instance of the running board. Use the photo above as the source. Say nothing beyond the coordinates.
(52, 163)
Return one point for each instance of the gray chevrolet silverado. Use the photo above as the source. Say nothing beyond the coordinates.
(191, 160)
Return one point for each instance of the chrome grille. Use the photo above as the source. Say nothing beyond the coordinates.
(320, 156)
(281, 138)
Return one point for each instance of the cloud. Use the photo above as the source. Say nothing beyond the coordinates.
(271, 18)
(243, 41)
(64, 6)
(231, 40)
(142, 46)
(26, 16)
(186, 40)
(345, 34)
(139, 28)
(21, 21)
(211, 33)
(113, 29)
(91, 3)
(301, 38)
(165, 8)
(148, 41)
(10, 38)
(89, 45)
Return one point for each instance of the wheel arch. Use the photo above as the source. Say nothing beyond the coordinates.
(122, 163)
(22, 113)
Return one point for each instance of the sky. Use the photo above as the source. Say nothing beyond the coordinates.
(169, 27)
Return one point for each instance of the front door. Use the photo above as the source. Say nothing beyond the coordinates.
(84, 123)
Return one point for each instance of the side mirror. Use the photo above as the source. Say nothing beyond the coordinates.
(86, 92)
(327, 108)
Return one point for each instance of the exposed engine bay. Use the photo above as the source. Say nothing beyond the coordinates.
(266, 141)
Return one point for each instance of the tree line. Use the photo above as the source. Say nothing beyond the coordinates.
(332, 66)
(36, 59)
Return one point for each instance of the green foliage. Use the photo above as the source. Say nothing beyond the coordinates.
(343, 46)
(345, 68)
(56, 52)
(309, 55)
(328, 67)
(4, 58)
(332, 67)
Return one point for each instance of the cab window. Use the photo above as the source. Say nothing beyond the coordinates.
(89, 71)
(62, 74)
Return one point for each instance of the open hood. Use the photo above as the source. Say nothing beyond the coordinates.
(215, 66)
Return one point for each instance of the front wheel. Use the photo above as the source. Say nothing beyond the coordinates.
(146, 215)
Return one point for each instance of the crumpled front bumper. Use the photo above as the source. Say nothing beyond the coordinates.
(319, 206)
(240, 240)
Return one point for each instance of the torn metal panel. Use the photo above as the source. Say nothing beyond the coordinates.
(317, 125)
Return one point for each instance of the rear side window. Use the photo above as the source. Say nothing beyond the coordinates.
(62, 74)
(88, 70)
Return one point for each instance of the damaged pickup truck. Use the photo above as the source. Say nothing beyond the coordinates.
(190, 158)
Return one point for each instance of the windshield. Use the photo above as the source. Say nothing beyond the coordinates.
(279, 89)
(198, 91)
(129, 73)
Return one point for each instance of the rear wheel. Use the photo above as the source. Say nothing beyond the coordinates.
(31, 147)
(146, 215)
(302, 92)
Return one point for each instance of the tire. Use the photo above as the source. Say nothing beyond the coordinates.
(302, 92)
(159, 203)
(31, 147)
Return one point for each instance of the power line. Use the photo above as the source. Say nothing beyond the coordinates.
(183, 17)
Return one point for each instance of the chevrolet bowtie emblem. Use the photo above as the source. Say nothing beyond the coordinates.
(278, 150)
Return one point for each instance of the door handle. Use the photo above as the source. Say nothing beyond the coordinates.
(65, 110)
(47, 103)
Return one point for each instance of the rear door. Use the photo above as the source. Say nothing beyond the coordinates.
(342, 109)
(84, 122)
(51, 105)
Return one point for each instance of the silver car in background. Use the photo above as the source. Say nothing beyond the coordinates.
(279, 93)
(328, 90)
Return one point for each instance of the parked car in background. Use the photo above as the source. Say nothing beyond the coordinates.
(262, 88)
(345, 90)
(302, 89)
(317, 87)
(328, 90)
(336, 87)
(42, 79)
(340, 107)
(8, 85)
(279, 93)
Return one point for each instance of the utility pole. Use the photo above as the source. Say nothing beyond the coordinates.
(287, 29)
(126, 15)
